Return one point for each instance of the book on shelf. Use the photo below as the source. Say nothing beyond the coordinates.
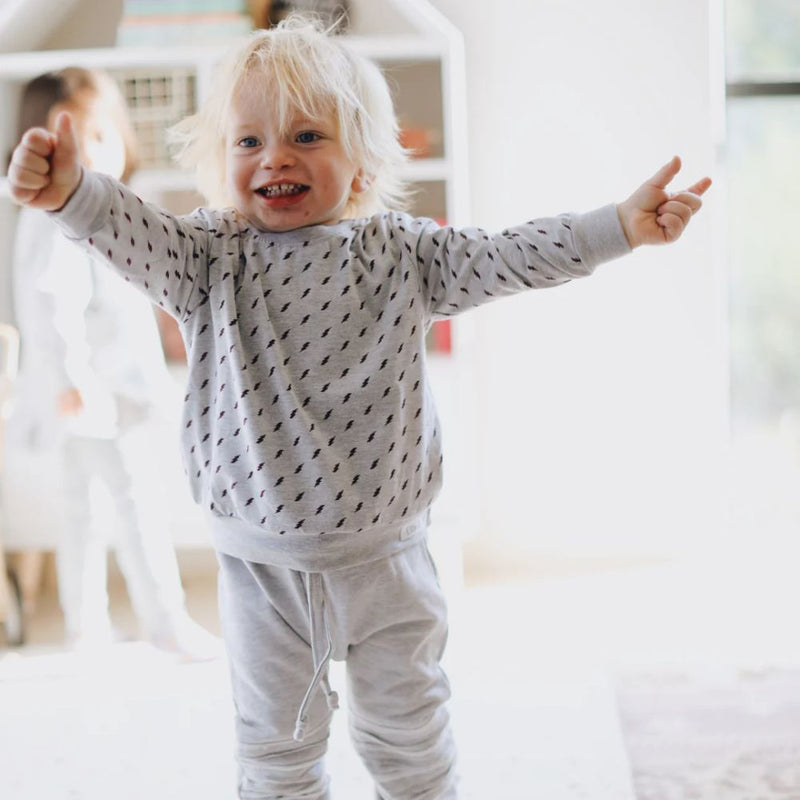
(149, 23)
(147, 8)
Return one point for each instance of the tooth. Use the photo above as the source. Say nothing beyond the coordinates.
(279, 189)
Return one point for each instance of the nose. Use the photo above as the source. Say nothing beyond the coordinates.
(277, 155)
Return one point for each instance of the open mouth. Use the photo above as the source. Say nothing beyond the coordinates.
(282, 189)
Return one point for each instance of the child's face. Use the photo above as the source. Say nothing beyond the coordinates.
(101, 143)
(285, 181)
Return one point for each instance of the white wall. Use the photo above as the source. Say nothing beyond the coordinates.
(604, 403)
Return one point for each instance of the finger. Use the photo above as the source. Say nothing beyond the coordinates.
(66, 150)
(690, 202)
(26, 178)
(666, 173)
(21, 195)
(700, 187)
(39, 141)
(672, 226)
(25, 159)
(681, 210)
(688, 199)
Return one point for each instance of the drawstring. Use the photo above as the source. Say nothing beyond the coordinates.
(319, 625)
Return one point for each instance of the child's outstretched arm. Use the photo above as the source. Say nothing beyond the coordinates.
(45, 167)
(652, 215)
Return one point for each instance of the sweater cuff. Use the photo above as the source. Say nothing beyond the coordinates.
(87, 210)
(599, 235)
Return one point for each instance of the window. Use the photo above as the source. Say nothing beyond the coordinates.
(763, 170)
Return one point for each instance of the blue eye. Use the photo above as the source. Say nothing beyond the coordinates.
(307, 137)
(248, 141)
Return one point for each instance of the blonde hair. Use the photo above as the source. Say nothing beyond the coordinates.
(307, 70)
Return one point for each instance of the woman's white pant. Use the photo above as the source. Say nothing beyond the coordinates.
(143, 547)
(387, 620)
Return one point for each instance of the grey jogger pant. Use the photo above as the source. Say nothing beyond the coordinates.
(387, 619)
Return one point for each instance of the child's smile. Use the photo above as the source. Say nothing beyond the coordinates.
(280, 191)
(283, 195)
(286, 179)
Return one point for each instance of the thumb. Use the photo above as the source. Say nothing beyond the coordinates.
(66, 151)
(666, 173)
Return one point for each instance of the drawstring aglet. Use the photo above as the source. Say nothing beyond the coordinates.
(333, 701)
(300, 730)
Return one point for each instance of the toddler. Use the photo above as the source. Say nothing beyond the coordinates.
(92, 378)
(309, 431)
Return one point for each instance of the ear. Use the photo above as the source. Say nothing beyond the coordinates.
(361, 182)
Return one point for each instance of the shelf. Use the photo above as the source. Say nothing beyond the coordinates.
(23, 66)
(409, 39)
(163, 180)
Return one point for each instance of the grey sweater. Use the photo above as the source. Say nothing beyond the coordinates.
(307, 409)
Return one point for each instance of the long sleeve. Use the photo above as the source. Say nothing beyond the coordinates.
(461, 269)
(161, 254)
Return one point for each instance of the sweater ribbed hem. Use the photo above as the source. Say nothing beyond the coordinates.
(306, 552)
(599, 235)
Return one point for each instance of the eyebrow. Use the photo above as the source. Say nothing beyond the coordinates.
(299, 122)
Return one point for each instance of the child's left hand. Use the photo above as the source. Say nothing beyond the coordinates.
(651, 215)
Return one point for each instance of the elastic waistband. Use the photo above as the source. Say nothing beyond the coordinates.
(307, 552)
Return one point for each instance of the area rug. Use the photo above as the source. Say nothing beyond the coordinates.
(712, 733)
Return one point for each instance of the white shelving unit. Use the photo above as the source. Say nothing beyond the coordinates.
(429, 47)
(422, 55)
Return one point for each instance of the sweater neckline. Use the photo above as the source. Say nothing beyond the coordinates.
(307, 233)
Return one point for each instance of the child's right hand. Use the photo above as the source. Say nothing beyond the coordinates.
(45, 168)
